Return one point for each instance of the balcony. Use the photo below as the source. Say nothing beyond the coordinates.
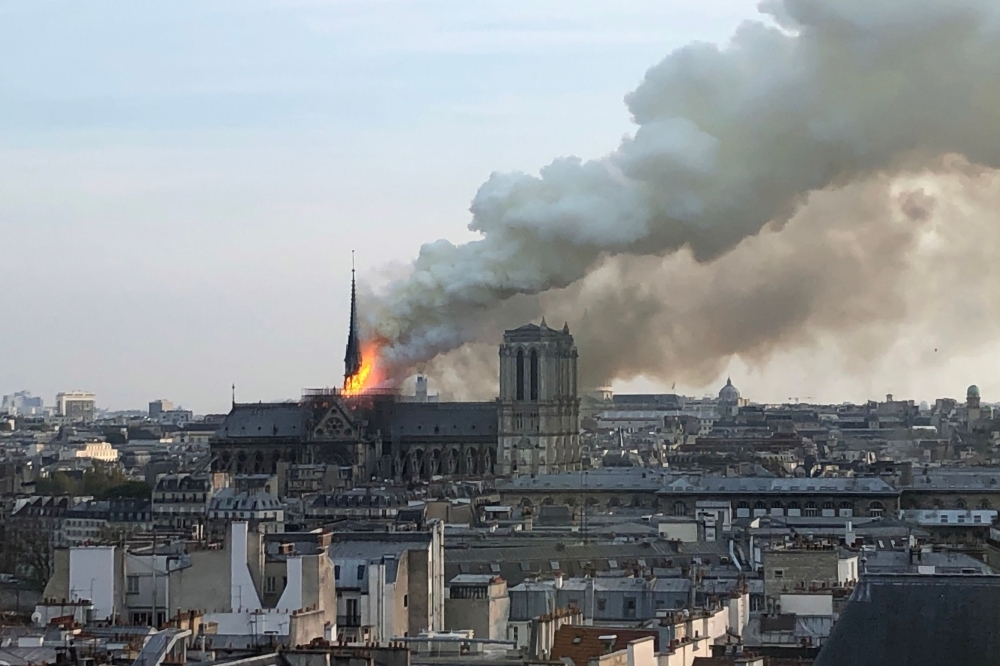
(348, 621)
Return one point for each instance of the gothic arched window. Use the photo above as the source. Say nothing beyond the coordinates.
(520, 374)
(534, 375)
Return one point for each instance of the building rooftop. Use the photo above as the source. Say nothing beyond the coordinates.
(608, 478)
(444, 419)
(281, 420)
(759, 486)
(958, 479)
(918, 621)
(474, 579)
(577, 645)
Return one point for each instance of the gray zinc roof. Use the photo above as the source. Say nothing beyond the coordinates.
(281, 420)
(918, 621)
(445, 419)
(958, 479)
(758, 486)
(610, 478)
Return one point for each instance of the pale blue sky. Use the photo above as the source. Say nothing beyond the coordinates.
(181, 182)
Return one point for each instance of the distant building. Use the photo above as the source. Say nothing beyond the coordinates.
(539, 431)
(181, 501)
(76, 405)
(974, 409)
(389, 584)
(478, 602)
(730, 399)
(263, 511)
(98, 451)
(21, 403)
(279, 586)
(175, 417)
(157, 407)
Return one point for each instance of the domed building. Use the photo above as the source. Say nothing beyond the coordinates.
(972, 396)
(730, 400)
(972, 407)
(729, 394)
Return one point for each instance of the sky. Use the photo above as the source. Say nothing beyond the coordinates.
(182, 183)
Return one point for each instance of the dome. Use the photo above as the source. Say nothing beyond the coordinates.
(729, 393)
(973, 391)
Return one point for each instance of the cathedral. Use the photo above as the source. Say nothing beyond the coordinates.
(539, 411)
(533, 428)
(323, 428)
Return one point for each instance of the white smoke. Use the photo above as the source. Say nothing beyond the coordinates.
(728, 140)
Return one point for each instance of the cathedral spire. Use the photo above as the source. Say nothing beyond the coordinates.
(352, 360)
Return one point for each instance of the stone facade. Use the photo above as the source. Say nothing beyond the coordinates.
(323, 428)
(539, 419)
(799, 570)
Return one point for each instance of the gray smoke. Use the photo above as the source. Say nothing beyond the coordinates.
(837, 101)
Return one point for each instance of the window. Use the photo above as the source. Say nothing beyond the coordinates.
(875, 509)
(133, 584)
(336, 572)
(602, 604)
(779, 573)
(759, 504)
(810, 509)
(960, 504)
(270, 586)
(534, 376)
(520, 375)
(743, 504)
(406, 604)
(361, 572)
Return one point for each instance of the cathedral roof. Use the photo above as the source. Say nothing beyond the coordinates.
(281, 420)
(445, 419)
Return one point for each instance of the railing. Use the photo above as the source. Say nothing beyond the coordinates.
(348, 621)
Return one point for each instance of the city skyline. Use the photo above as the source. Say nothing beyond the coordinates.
(182, 219)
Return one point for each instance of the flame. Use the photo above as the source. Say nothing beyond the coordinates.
(366, 376)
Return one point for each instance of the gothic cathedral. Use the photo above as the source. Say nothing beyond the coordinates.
(539, 418)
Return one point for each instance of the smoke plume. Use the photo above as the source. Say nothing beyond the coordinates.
(761, 201)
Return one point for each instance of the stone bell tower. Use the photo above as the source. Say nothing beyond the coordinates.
(539, 428)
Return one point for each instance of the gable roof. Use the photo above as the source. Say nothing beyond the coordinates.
(264, 420)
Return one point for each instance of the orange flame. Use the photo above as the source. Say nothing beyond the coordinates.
(366, 376)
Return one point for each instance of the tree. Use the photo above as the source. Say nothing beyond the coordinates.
(126, 490)
(27, 550)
